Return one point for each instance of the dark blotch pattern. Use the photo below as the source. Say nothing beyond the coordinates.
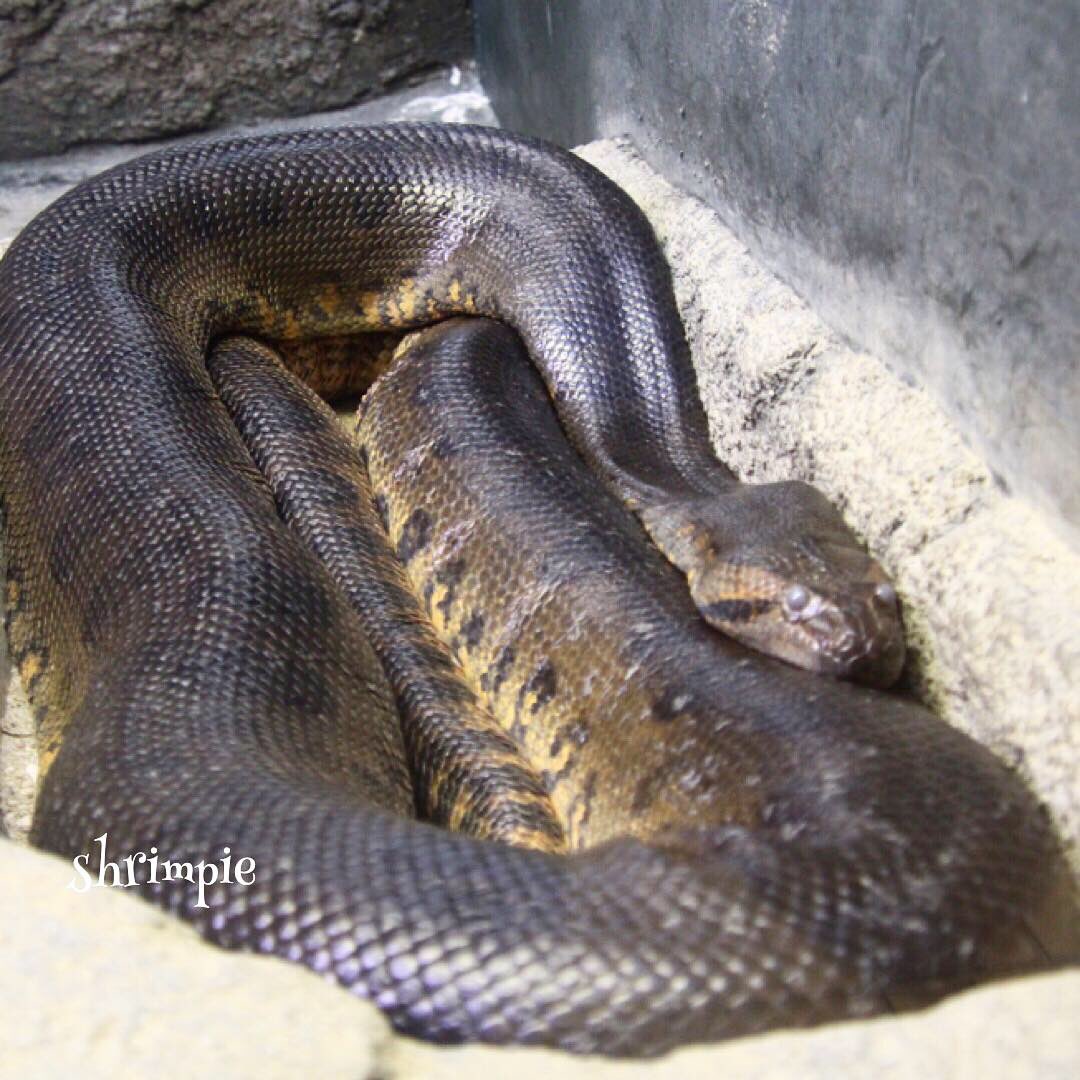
(543, 685)
(414, 535)
(736, 611)
(472, 632)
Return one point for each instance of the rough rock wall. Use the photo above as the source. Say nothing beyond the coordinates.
(75, 71)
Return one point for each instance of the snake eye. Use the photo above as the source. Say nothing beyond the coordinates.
(796, 599)
(885, 593)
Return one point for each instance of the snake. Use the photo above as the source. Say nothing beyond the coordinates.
(674, 836)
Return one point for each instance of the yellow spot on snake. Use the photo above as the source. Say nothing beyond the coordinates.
(14, 593)
(576, 816)
(47, 755)
(408, 298)
(292, 329)
(30, 668)
(267, 314)
(368, 303)
(454, 291)
(330, 299)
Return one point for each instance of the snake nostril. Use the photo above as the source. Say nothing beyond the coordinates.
(885, 593)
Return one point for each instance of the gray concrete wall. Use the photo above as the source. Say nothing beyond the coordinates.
(77, 71)
(909, 166)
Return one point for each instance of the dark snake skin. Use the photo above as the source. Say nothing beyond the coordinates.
(200, 680)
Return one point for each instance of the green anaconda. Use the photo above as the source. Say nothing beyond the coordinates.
(750, 845)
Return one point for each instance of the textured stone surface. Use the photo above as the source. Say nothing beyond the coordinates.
(912, 165)
(75, 71)
(991, 608)
(18, 760)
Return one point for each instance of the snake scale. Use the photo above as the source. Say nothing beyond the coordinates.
(714, 842)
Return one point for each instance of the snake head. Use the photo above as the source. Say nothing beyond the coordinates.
(775, 567)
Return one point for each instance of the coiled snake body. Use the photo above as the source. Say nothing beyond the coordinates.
(752, 845)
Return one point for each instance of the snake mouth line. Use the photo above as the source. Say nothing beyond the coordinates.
(817, 639)
(851, 657)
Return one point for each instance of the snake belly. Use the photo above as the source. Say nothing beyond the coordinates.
(200, 680)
